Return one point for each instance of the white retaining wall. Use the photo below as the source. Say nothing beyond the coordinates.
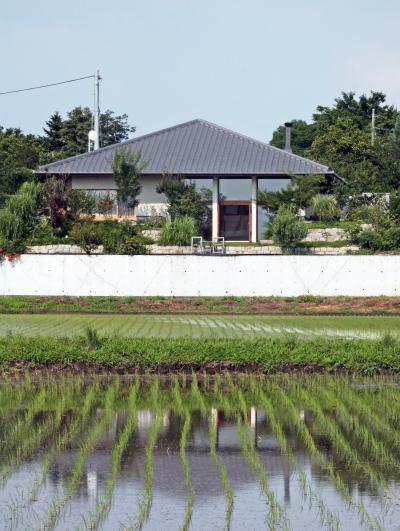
(200, 275)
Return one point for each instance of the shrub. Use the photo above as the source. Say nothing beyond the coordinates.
(113, 234)
(394, 207)
(179, 231)
(80, 203)
(374, 211)
(325, 207)
(286, 228)
(116, 237)
(42, 234)
(135, 245)
(105, 205)
(20, 213)
(384, 239)
(86, 235)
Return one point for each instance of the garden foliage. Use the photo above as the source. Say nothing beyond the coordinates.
(179, 231)
(286, 228)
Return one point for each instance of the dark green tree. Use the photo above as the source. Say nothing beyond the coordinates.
(299, 193)
(53, 140)
(127, 167)
(75, 129)
(19, 155)
(114, 129)
(303, 135)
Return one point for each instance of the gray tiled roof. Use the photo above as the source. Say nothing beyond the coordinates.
(197, 147)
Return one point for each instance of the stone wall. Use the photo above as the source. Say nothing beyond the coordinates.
(325, 235)
(60, 249)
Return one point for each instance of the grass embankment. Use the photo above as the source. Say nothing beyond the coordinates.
(122, 354)
(304, 305)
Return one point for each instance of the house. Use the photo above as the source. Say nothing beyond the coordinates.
(232, 166)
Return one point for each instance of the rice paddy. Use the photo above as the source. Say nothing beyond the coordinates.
(201, 326)
(199, 452)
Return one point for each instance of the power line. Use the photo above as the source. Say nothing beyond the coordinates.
(48, 85)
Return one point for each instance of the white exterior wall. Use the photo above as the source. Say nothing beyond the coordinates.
(192, 275)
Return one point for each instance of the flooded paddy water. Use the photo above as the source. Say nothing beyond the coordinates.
(199, 326)
(205, 453)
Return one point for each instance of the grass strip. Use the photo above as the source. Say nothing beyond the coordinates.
(184, 354)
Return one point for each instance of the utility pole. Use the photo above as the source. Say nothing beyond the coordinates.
(97, 111)
(373, 127)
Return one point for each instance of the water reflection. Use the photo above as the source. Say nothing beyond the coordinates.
(109, 454)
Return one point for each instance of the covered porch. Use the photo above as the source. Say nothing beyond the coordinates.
(236, 215)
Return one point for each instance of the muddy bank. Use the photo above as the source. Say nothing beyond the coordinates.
(305, 305)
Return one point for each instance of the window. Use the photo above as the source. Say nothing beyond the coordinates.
(270, 185)
(235, 189)
(103, 197)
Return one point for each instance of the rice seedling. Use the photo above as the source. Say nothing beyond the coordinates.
(293, 417)
(186, 469)
(361, 436)
(326, 515)
(104, 504)
(222, 474)
(28, 435)
(276, 514)
(146, 497)
(197, 396)
(72, 430)
(86, 447)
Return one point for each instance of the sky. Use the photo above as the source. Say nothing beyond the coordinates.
(249, 65)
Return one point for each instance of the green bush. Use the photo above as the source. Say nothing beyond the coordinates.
(42, 234)
(116, 237)
(377, 240)
(325, 207)
(376, 212)
(20, 213)
(86, 235)
(286, 228)
(113, 234)
(179, 231)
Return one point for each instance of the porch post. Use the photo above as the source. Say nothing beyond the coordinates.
(254, 209)
(215, 197)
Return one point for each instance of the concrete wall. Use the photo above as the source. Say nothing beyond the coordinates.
(200, 275)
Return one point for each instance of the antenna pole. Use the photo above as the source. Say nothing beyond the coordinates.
(97, 111)
(373, 127)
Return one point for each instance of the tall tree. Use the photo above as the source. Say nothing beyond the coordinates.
(75, 131)
(127, 167)
(53, 140)
(75, 128)
(19, 155)
(114, 129)
(340, 137)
